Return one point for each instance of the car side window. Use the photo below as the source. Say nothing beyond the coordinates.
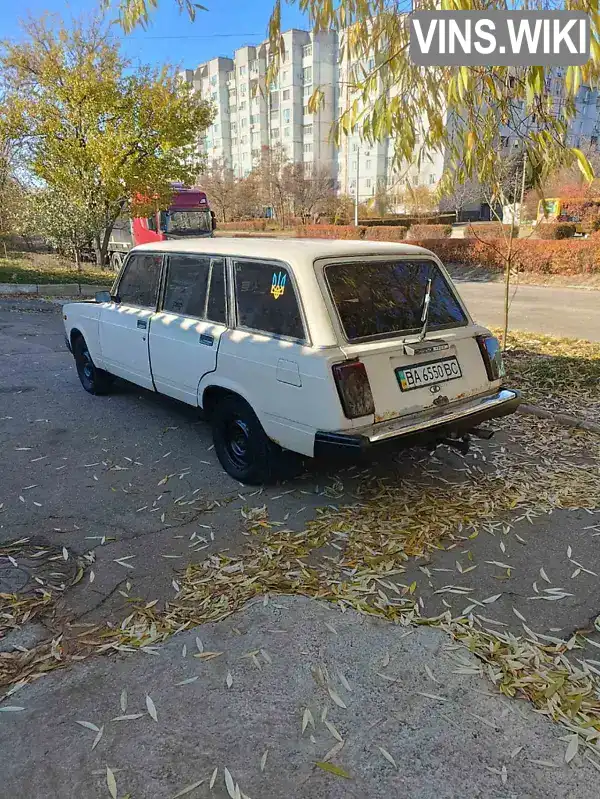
(187, 281)
(266, 299)
(139, 284)
(196, 287)
(216, 307)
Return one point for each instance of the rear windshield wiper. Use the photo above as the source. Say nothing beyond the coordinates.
(425, 311)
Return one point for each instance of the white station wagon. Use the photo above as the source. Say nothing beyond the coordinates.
(302, 345)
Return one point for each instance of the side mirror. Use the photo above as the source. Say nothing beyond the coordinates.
(103, 296)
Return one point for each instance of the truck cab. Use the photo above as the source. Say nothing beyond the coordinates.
(188, 215)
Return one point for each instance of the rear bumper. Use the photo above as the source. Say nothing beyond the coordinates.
(424, 427)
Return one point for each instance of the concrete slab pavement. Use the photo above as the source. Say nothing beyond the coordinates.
(450, 738)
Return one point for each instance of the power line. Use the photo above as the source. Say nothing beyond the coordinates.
(205, 36)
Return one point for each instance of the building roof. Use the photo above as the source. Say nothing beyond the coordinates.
(290, 250)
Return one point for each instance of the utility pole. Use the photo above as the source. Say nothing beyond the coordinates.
(356, 194)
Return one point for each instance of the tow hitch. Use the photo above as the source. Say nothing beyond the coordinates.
(463, 443)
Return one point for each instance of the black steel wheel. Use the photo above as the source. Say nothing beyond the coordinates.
(94, 381)
(242, 446)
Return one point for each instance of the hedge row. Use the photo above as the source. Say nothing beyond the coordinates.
(380, 233)
(567, 257)
(555, 230)
(488, 230)
(429, 231)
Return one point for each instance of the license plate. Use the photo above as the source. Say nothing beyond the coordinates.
(427, 374)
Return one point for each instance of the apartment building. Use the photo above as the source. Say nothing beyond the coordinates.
(251, 116)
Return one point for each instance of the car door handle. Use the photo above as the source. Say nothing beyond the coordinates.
(207, 340)
(142, 324)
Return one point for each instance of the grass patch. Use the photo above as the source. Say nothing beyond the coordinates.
(561, 374)
(44, 269)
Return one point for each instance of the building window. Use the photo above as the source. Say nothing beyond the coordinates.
(234, 127)
(254, 118)
(230, 76)
(371, 64)
(353, 166)
(244, 140)
(431, 179)
(243, 105)
(308, 147)
(307, 91)
(244, 122)
(256, 138)
(275, 133)
(232, 109)
(243, 90)
(306, 75)
(308, 169)
(286, 114)
(216, 130)
(368, 183)
(234, 142)
(352, 184)
(286, 75)
(306, 50)
(286, 133)
(242, 71)
(254, 66)
(307, 130)
(368, 165)
(255, 153)
(305, 111)
(214, 96)
(354, 147)
(213, 80)
(286, 94)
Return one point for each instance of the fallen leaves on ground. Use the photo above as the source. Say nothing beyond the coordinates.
(355, 556)
(560, 374)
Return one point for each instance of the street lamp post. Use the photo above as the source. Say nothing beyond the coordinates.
(356, 193)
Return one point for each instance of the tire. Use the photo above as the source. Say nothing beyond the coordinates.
(116, 261)
(245, 451)
(94, 380)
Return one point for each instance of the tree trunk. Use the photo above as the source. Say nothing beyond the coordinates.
(98, 251)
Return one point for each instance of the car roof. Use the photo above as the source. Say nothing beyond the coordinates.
(293, 251)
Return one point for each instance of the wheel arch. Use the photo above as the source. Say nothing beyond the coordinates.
(210, 395)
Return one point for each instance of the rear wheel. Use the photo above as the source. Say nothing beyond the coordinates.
(94, 380)
(242, 446)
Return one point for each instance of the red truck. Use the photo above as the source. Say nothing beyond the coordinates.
(188, 215)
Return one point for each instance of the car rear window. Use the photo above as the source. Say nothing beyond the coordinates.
(386, 298)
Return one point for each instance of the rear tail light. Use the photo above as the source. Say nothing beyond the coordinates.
(489, 346)
(354, 389)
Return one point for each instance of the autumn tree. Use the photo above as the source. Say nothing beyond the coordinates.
(94, 130)
(308, 191)
(222, 188)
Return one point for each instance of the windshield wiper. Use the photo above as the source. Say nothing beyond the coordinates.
(425, 312)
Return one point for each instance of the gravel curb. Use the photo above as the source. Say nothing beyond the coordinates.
(563, 419)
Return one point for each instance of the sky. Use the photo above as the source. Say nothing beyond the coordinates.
(171, 37)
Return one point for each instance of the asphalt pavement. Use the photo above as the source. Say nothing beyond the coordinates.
(131, 481)
(569, 312)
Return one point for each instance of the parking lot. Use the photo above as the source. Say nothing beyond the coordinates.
(129, 486)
